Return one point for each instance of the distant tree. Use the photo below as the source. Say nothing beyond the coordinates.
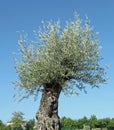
(84, 120)
(68, 123)
(104, 122)
(1, 125)
(62, 60)
(17, 120)
(93, 121)
(31, 124)
(111, 124)
(81, 122)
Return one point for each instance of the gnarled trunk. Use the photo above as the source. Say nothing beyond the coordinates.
(47, 114)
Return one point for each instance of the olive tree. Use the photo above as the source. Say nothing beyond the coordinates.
(60, 59)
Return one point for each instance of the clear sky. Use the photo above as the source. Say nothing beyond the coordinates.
(17, 15)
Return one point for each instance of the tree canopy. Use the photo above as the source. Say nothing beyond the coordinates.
(67, 55)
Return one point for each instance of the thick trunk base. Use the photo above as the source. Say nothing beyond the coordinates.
(48, 124)
(47, 114)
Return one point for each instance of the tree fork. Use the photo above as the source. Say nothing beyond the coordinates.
(47, 114)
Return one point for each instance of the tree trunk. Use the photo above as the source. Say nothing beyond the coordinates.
(47, 114)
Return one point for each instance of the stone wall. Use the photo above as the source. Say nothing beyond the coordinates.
(96, 129)
(85, 128)
(99, 129)
(104, 129)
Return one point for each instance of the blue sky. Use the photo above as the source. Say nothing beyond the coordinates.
(27, 15)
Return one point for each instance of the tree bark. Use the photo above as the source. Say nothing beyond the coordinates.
(47, 114)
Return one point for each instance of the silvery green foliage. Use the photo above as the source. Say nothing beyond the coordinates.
(68, 56)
